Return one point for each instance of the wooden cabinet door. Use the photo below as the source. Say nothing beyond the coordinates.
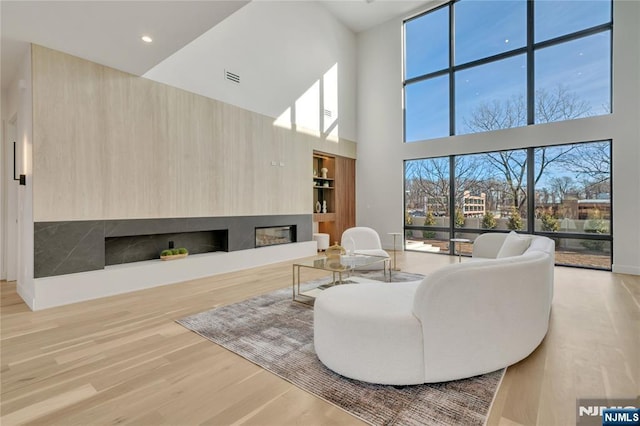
(344, 199)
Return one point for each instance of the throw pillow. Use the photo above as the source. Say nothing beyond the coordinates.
(514, 245)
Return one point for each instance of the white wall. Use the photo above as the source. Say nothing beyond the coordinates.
(279, 49)
(3, 187)
(381, 151)
(117, 279)
(17, 101)
(13, 99)
(9, 209)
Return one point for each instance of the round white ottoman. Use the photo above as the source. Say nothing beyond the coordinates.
(322, 240)
(370, 336)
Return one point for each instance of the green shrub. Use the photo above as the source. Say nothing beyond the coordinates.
(549, 222)
(407, 219)
(489, 221)
(427, 235)
(429, 220)
(174, 251)
(515, 220)
(459, 219)
(595, 225)
(182, 250)
(166, 253)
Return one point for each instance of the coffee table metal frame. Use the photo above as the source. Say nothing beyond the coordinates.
(346, 266)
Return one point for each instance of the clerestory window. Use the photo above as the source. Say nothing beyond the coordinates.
(478, 65)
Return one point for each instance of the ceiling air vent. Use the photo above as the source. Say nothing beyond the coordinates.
(231, 76)
(327, 113)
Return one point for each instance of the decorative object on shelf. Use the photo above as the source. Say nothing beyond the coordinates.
(176, 253)
(318, 207)
(326, 184)
(324, 172)
(324, 206)
(315, 173)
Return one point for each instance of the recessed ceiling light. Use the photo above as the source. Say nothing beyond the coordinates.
(146, 39)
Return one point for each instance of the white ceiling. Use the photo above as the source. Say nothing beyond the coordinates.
(108, 32)
(360, 15)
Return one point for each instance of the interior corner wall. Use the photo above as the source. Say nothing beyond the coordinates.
(18, 102)
(281, 51)
(380, 131)
(4, 181)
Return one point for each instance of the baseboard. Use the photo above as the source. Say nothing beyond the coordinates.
(626, 269)
(26, 295)
(118, 279)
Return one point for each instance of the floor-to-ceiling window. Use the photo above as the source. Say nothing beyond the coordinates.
(472, 66)
(561, 191)
(428, 209)
(572, 201)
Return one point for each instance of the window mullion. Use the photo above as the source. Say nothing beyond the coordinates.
(531, 89)
(452, 80)
(452, 201)
(531, 190)
(427, 99)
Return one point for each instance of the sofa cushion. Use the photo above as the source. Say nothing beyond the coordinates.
(514, 245)
(368, 332)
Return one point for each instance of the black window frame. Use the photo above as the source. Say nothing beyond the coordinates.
(530, 152)
(530, 49)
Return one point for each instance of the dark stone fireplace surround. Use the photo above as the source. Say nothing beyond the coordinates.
(68, 247)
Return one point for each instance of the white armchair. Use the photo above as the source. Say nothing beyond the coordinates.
(363, 240)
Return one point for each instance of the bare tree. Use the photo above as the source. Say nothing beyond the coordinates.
(561, 185)
(512, 165)
(592, 161)
(498, 114)
(468, 177)
(428, 182)
(559, 104)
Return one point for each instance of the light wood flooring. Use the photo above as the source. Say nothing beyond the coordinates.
(123, 359)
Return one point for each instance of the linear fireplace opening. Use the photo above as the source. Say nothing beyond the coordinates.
(274, 235)
(137, 248)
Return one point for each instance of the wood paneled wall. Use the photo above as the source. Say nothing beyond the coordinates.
(344, 199)
(345, 193)
(111, 145)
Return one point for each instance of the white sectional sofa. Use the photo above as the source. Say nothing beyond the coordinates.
(462, 320)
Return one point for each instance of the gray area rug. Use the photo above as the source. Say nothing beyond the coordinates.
(277, 334)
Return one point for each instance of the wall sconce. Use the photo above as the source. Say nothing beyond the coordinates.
(22, 178)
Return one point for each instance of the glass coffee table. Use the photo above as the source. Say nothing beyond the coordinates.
(339, 267)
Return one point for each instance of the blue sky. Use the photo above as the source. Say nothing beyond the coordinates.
(484, 28)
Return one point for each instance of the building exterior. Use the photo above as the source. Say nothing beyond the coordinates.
(473, 205)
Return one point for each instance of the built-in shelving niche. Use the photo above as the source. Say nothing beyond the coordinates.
(137, 248)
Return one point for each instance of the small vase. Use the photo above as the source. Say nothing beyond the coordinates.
(318, 207)
(324, 207)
